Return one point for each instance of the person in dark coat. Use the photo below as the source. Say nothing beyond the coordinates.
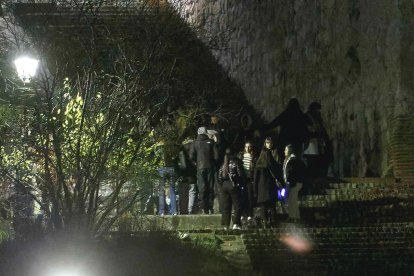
(203, 155)
(219, 152)
(267, 175)
(293, 128)
(294, 174)
(188, 173)
(231, 179)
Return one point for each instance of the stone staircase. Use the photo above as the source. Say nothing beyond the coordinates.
(370, 250)
(357, 201)
(361, 226)
(401, 148)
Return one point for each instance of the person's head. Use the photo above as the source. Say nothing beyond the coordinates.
(201, 130)
(246, 121)
(293, 104)
(288, 150)
(315, 107)
(214, 119)
(268, 143)
(248, 147)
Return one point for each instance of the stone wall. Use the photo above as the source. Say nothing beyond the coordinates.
(353, 56)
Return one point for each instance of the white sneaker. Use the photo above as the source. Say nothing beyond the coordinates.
(236, 227)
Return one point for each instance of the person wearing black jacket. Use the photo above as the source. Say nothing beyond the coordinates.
(188, 172)
(203, 154)
(294, 171)
(231, 179)
(267, 175)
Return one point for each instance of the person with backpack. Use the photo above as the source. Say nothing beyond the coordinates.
(231, 178)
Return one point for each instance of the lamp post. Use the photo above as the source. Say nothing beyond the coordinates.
(26, 68)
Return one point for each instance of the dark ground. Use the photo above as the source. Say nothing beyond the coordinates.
(149, 255)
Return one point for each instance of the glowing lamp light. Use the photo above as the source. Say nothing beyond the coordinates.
(63, 272)
(281, 193)
(26, 68)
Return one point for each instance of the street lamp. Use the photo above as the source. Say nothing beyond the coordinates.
(26, 68)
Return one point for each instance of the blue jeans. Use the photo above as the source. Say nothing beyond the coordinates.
(167, 173)
(192, 196)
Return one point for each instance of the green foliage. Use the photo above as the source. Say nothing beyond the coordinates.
(4, 230)
(206, 242)
(83, 137)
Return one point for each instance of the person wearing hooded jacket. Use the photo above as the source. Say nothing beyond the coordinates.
(203, 154)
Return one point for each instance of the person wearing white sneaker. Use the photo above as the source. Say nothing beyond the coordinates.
(236, 227)
(231, 179)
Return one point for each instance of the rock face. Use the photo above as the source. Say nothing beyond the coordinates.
(355, 57)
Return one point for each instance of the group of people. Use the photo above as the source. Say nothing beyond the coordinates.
(221, 179)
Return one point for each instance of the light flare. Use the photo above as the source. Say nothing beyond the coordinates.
(296, 243)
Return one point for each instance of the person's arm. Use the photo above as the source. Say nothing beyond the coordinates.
(220, 175)
(289, 173)
(240, 171)
(216, 152)
(193, 153)
(255, 179)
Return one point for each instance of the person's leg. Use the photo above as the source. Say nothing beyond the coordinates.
(226, 212)
(217, 206)
(173, 204)
(161, 191)
(235, 198)
(250, 198)
(272, 212)
(210, 190)
(293, 205)
(202, 190)
(183, 193)
(262, 213)
(192, 195)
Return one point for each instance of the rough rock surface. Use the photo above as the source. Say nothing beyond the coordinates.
(353, 56)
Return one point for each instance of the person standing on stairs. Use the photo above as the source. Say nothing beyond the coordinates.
(231, 178)
(203, 154)
(294, 173)
(267, 175)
